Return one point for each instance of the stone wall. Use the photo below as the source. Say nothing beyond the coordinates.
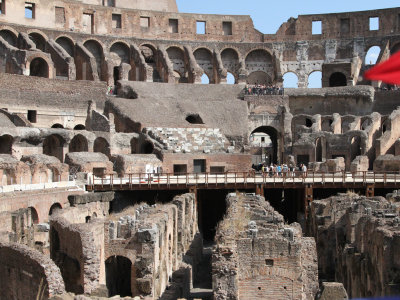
(358, 243)
(257, 256)
(27, 274)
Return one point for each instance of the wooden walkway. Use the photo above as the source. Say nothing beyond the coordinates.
(236, 180)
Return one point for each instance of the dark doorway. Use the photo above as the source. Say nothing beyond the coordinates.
(116, 75)
(6, 142)
(53, 145)
(39, 68)
(337, 79)
(211, 210)
(303, 159)
(199, 166)
(118, 276)
(180, 169)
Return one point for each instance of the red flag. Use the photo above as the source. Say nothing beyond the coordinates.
(387, 71)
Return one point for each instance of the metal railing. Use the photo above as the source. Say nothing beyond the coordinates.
(166, 180)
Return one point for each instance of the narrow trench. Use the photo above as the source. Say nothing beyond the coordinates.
(211, 210)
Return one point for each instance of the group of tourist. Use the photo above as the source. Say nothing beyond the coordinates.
(281, 170)
(261, 89)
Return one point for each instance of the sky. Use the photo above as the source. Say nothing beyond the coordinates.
(269, 15)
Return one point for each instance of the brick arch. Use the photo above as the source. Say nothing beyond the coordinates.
(112, 43)
(13, 32)
(37, 31)
(34, 55)
(6, 27)
(93, 39)
(203, 47)
(67, 36)
(175, 46)
(150, 45)
(269, 51)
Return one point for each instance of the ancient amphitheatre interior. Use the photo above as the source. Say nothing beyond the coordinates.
(122, 176)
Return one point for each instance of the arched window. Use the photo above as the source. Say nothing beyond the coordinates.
(372, 55)
(57, 125)
(205, 79)
(230, 79)
(315, 80)
(290, 80)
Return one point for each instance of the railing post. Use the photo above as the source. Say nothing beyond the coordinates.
(384, 177)
(168, 183)
(140, 180)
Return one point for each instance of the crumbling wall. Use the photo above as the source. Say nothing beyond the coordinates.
(165, 245)
(358, 242)
(257, 256)
(27, 274)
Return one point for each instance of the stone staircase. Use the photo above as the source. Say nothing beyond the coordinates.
(190, 140)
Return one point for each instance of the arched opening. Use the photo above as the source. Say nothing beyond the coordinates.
(147, 148)
(259, 77)
(87, 219)
(205, 61)
(34, 215)
(315, 80)
(205, 79)
(9, 37)
(309, 123)
(320, 149)
(194, 119)
(355, 147)
(39, 41)
(290, 80)
(78, 144)
(148, 53)
(79, 127)
(101, 145)
(372, 55)
(230, 61)
(230, 79)
(39, 68)
(66, 44)
(326, 125)
(97, 51)
(118, 276)
(264, 140)
(259, 61)
(53, 146)
(6, 142)
(57, 125)
(337, 79)
(120, 53)
(55, 207)
(177, 57)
